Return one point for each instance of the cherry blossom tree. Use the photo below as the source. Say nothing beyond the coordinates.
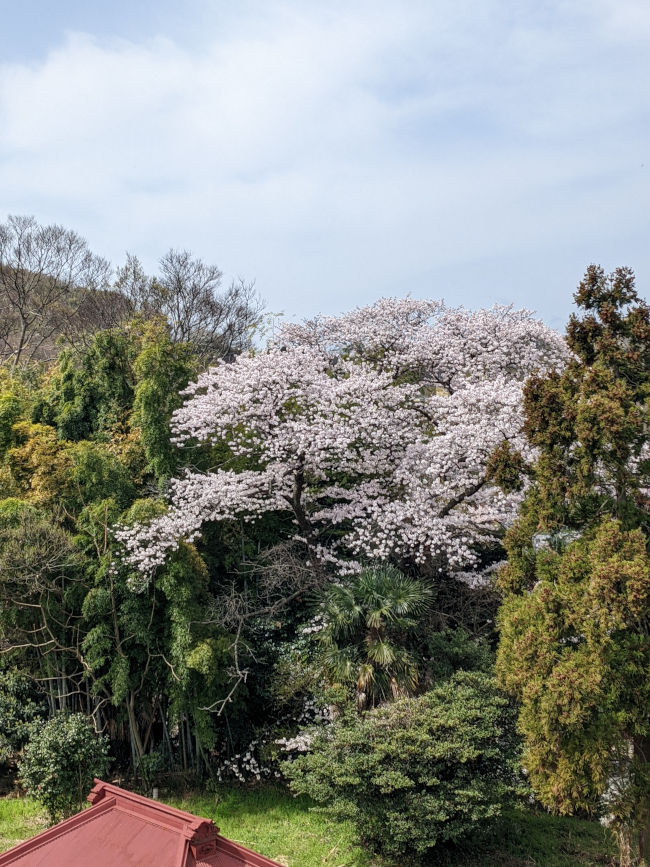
(373, 430)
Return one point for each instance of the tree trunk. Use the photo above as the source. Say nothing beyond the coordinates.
(190, 751)
(167, 739)
(642, 761)
(644, 845)
(21, 345)
(181, 728)
(137, 750)
(624, 846)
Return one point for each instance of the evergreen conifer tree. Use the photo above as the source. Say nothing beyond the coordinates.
(575, 622)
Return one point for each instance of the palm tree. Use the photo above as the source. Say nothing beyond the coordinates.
(367, 625)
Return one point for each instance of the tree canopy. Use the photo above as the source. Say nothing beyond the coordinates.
(575, 622)
(372, 431)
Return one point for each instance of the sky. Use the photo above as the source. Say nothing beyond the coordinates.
(334, 153)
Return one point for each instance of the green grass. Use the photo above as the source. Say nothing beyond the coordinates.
(533, 838)
(284, 828)
(20, 819)
(270, 821)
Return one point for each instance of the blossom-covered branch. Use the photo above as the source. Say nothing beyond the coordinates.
(372, 430)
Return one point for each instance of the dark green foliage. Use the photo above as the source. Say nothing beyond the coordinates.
(126, 381)
(575, 622)
(10, 412)
(59, 763)
(143, 663)
(161, 370)
(616, 325)
(39, 568)
(96, 474)
(420, 771)
(454, 650)
(150, 645)
(364, 641)
(20, 706)
(94, 391)
(590, 422)
(84, 447)
(525, 836)
(296, 676)
(506, 468)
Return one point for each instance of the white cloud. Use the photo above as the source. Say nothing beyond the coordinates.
(346, 151)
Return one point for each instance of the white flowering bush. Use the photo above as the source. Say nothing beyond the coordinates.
(260, 759)
(245, 766)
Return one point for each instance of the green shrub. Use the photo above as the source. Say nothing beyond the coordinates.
(148, 767)
(419, 771)
(452, 650)
(19, 707)
(60, 761)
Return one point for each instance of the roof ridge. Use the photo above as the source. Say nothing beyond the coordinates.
(158, 836)
(195, 828)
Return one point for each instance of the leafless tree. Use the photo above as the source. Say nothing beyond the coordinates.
(279, 576)
(135, 286)
(51, 285)
(94, 310)
(188, 293)
(44, 273)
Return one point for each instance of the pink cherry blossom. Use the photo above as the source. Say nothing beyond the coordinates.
(377, 424)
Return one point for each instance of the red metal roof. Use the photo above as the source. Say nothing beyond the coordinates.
(122, 829)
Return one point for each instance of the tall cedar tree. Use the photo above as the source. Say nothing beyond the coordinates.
(575, 621)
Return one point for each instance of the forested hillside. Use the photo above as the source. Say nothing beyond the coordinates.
(248, 559)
